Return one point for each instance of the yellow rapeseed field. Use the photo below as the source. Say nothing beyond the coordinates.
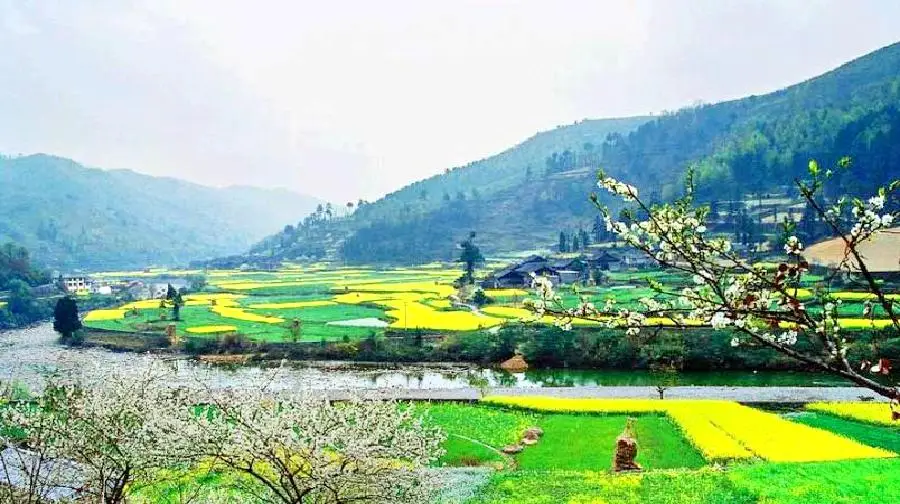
(428, 287)
(412, 315)
(871, 412)
(506, 293)
(111, 314)
(291, 304)
(861, 323)
(439, 303)
(721, 430)
(240, 314)
(209, 329)
(511, 312)
(377, 297)
(862, 296)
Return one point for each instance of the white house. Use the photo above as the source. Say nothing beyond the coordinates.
(76, 283)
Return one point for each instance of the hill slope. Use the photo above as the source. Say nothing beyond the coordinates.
(72, 216)
(758, 143)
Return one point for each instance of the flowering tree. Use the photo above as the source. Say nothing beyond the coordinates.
(760, 306)
(100, 432)
(297, 448)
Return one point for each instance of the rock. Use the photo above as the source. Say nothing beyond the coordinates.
(512, 449)
(529, 441)
(533, 432)
(516, 364)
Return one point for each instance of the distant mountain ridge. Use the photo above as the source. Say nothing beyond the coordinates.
(520, 200)
(71, 216)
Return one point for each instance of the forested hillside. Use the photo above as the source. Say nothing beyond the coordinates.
(522, 198)
(70, 216)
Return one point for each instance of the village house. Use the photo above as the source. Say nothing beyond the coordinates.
(521, 274)
(604, 261)
(76, 283)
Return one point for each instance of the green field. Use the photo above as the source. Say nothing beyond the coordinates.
(571, 463)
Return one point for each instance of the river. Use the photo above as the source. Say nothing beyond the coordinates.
(26, 355)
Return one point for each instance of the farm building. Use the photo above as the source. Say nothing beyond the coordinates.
(519, 275)
(605, 261)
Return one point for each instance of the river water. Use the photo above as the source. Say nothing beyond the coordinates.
(27, 355)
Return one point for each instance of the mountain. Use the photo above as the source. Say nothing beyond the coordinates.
(71, 216)
(524, 197)
(422, 205)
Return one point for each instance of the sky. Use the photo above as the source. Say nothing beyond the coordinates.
(353, 99)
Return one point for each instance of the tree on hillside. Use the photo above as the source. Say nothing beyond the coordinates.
(762, 308)
(598, 229)
(20, 299)
(585, 238)
(471, 258)
(563, 242)
(175, 300)
(66, 321)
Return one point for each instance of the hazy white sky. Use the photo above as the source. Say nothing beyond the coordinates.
(344, 100)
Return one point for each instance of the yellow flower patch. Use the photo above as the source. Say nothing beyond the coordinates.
(111, 314)
(506, 293)
(511, 312)
(144, 304)
(862, 296)
(721, 430)
(871, 412)
(240, 314)
(209, 329)
(773, 438)
(291, 304)
(439, 303)
(413, 315)
(701, 431)
(861, 323)
(563, 405)
(377, 297)
(442, 290)
(218, 297)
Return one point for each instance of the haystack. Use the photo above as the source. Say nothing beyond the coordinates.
(516, 364)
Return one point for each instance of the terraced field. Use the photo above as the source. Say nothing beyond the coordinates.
(333, 304)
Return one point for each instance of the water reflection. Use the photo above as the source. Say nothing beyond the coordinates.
(28, 354)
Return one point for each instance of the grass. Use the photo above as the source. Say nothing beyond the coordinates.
(570, 441)
(465, 422)
(581, 487)
(842, 482)
(586, 442)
